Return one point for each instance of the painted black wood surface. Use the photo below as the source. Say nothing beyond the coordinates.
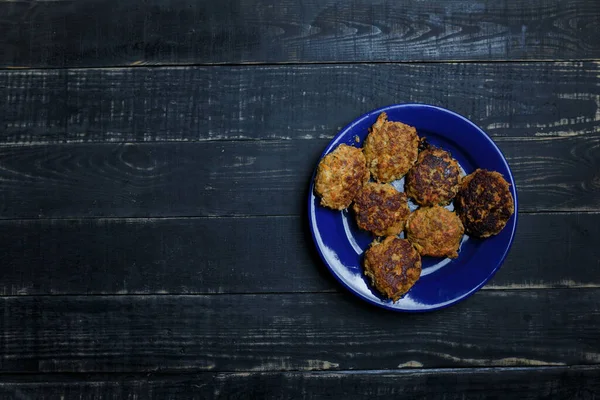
(185, 256)
(256, 177)
(472, 383)
(154, 238)
(306, 102)
(110, 32)
(296, 331)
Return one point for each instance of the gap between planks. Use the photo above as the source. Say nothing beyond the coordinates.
(143, 64)
(341, 292)
(243, 139)
(152, 375)
(244, 216)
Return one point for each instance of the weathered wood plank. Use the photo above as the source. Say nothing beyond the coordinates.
(247, 255)
(294, 332)
(555, 173)
(175, 179)
(109, 32)
(299, 102)
(569, 383)
(255, 177)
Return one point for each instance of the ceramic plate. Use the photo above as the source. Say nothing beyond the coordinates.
(443, 282)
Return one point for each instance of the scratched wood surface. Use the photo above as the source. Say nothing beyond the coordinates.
(256, 177)
(296, 331)
(154, 164)
(297, 102)
(473, 383)
(184, 256)
(41, 33)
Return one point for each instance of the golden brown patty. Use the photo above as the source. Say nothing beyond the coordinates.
(393, 266)
(390, 149)
(484, 203)
(434, 179)
(340, 175)
(381, 209)
(435, 231)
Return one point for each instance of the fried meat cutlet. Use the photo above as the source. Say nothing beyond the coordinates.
(391, 148)
(393, 266)
(434, 179)
(484, 203)
(340, 175)
(381, 209)
(435, 231)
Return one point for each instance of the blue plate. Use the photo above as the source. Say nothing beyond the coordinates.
(443, 282)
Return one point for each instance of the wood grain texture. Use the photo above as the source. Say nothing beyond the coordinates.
(294, 332)
(569, 383)
(247, 255)
(245, 177)
(140, 180)
(288, 102)
(108, 32)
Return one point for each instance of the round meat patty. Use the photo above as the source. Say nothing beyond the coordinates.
(484, 203)
(434, 179)
(435, 231)
(391, 148)
(340, 175)
(381, 209)
(393, 266)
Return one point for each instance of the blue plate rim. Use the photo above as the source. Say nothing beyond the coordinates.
(514, 193)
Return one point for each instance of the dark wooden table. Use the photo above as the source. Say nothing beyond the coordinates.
(155, 159)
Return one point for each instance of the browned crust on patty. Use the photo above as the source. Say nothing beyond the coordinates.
(391, 148)
(484, 203)
(340, 175)
(434, 179)
(435, 231)
(393, 266)
(381, 209)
